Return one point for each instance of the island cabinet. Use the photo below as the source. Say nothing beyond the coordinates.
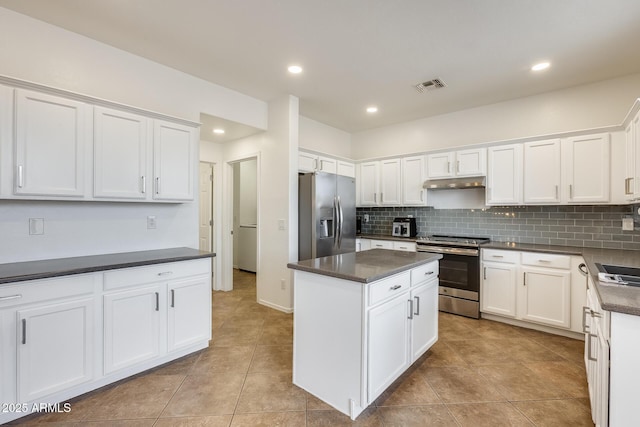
(353, 339)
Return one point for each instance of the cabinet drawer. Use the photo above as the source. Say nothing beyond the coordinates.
(381, 244)
(404, 246)
(546, 260)
(387, 288)
(46, 289)
(154, 273)
(511, 257)
(424, 273)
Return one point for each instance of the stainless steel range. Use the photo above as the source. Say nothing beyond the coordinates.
(459, 274)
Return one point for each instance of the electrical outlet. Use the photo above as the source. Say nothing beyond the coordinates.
(627, 224)
(151, 222)
(36, 226)
(366, 217)
(283, 284)
(282, 225)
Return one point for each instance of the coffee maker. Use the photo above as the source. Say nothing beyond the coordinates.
(404, 227)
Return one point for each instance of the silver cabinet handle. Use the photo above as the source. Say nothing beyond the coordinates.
(544, 260)
(381, 197)
(315, 164)
(422, 195)
(626, 186)
(395, 288)
(144, 184)
(595, 314)
(157, 185)
(410, 316)
(24, 331)
(570, 191)
(173, 297)
(497, 256)
(417, 312)
(458, 166)
(556, 191)
(429, 273)
(375, 197)
(157, 301)
(165, 273)
(20, 177)
(448, 167)
(585, 311)
(524, 279)
(10, 297)
(589, 354)
(485, 273)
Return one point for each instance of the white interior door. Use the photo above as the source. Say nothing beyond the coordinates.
(206, 204)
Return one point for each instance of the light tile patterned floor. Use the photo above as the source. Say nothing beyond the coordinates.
(480, 373)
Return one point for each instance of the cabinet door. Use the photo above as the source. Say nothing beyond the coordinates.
(365, 244)
(307, 162)
(6, 141)
(369, 174)
(55, 348)
(189, 312)
(440, 165)
(586, 161)
(173, 161)
(388, 344)
(504, 175)
(390, 182)
(601, 387)
(346, 169)
(542, 171)
(328, 165)
(131, 327)
(471, 162)
(120, 154)
(51, 134)
(546, 296)
(413, 175)
(498, 289)
(635, 185)
(424, 324)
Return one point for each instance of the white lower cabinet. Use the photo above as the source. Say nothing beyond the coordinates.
(374, 332)
(132, 323)
(56, 334)
(55, 347)
(530, 287)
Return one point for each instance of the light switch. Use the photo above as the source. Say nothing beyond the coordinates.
(36, 226)
(627, 224)
(151, 222)
(281, 224)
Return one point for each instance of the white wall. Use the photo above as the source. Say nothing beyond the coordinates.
(276, 150)
(317, 136)
(35, 51)
(599, 104)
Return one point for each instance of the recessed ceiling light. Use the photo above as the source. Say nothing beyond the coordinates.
(218, 131)
(295, 69)
(540, 66)
(372, 109)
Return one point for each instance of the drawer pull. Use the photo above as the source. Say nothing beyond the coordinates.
(429, 273)
(24, 331)
(543, 260)
(10, 297)
(395, 288)
(497, 256)
(165, 273)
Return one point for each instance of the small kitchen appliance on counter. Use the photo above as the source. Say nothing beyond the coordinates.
(404, 227)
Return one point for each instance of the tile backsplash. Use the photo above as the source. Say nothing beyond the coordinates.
(590, 226)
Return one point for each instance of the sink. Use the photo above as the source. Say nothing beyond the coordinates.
(619, 274)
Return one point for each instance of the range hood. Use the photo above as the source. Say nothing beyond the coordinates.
(455, 183)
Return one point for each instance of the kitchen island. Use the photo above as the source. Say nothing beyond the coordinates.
(360, 320)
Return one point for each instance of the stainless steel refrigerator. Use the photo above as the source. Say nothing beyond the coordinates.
(326, 215)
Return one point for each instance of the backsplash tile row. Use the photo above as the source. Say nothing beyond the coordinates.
(590, 226)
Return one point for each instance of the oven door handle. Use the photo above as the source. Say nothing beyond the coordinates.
(441, 250)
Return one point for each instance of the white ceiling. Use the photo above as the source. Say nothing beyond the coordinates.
(361, 52)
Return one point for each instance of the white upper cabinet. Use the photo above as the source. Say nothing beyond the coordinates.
(121, 144)
(471, 162)
(542, 172)
(309, 162)
(439, 165)
(174, 150)
(632, 159)
(368, 183)
(51, 137)
(413, 176)
(390, 182)
(586, 168)
(504, 175)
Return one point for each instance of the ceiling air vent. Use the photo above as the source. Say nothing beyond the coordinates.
(430, 85)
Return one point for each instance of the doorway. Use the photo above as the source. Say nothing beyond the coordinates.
(206, 229)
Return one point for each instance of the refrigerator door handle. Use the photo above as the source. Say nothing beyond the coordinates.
(340, 223)
(336, 220)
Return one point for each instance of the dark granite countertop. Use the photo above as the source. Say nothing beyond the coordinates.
(613, 297)
(365, 266)
(42, 269)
